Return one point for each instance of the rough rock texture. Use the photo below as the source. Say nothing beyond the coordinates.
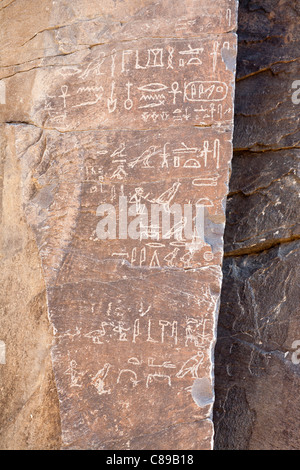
(29, 416)
(257, 376)
(102, 100)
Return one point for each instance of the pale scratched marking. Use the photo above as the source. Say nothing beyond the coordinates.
(113, 62)
(205, 181)
(97, 334)
(2, 92)
(155, 262)
(217, 152)
(228, 16)
(171, 51)
(159, 374)
(124, 54)
(149, 338)
(75, 376)
(215, 55)
(132, 379)
(128, 103)
(93, 89)
(143, 256)
(193, 60)
(175, 91)
(94, 66)
(191, 366)
(119, 153)
(2, 352)
(99, 380)
(142, 311)
(112, 101)
(204, 91)
(174, 326)
(64, 95)
(164, 155)
(170, 257)
(136, 330)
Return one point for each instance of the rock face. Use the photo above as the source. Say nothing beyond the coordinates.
(257, 365)
(111, 109)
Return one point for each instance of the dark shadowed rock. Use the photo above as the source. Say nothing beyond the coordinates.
(256, 382)
(263, 206)
(257, 366)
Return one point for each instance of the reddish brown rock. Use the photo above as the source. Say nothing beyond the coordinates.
(140, 108)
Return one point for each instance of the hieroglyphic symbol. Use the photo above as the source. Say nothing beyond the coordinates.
(167, 196)
(137, 198)
(184, 151)
(215, 55)
(145, 157)
(176, 230)
(209, 181)
(96, 335)
(170, 257)
(155, 263)
(175, 91)
(113, 62)
(164, 155)
(97, 91)
(149, 338)
(195, 331)
(119, 173)
(128, 103)
(142, 311)
(228, 16)
(171, 51)
(94, 66)
(195, 60)
(124, 54)
(155, 59)
(119, 154)
(159, 375)
(75, 376)
(184, 23)
(191, 366)
(64, 95)
(217, 152)
(98, 380)
(119, 328)
(205, 91)
(153, 91)
(112, 102)
(174, 330)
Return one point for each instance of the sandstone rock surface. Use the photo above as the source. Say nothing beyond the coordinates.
(102, 101)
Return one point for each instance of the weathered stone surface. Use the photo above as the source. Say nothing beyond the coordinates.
(49, 29)
(263, 204)
(29, 415)
(256, 381)
(257, 377)
(268, 64)
(113, 100)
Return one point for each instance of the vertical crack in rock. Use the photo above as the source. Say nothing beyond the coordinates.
(118, 111)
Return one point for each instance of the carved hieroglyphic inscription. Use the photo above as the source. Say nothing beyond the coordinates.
(141, 122)
(171, 82)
